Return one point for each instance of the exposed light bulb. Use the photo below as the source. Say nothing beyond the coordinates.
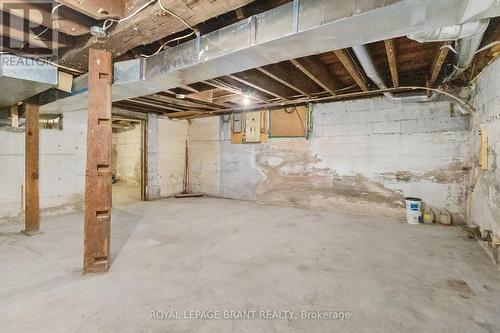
(246, 100)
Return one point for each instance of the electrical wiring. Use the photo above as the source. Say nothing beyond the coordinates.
(194, 31)
(109, 22)
(37, 36)
(167, 42)
(174, 15)
(488, 46)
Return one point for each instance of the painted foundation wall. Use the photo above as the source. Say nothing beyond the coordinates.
(62, 169)
(364, 156)
(484, 202)
(204, 155)
(166, 144)
(127, 155)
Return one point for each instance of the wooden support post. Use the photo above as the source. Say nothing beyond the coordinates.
(98, 174)
(31, 170)
(14, 115)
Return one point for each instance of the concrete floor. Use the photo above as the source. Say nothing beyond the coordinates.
(125, 193)
(215, 254)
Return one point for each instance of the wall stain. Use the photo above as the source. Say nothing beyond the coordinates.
(292, 178)
(455, 172)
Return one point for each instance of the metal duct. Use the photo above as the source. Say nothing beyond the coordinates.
(21, 78)
(452, 32)
(466, 50)
(469, 37)
(368, 66)
(294, 30)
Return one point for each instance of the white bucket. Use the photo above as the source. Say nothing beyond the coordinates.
(413, 210)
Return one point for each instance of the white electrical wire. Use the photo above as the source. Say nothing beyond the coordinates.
(488, 46)
(109, 22)
(167, 42)
(174, 15)
(37, 36)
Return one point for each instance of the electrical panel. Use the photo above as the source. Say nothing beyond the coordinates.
(252, 126)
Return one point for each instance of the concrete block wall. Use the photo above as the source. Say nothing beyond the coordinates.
(484, 203)
(62, 169)
(364, 156)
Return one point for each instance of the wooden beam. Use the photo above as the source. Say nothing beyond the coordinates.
(98, 174)
(390, 49)
(438, 63)
(349, 64)
(31, 169)
(155, 104)
(98, 9)
(146, 27)
(14, 115)
(318, 72)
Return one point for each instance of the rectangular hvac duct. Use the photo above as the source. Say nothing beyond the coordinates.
(21, 78)
(297, 29)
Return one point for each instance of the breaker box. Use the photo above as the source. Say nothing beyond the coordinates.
(252, 126)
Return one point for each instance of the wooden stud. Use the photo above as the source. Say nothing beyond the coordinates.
(393, 64)
(349, 64)
(98, 173)
(438, 63)
(31, 171)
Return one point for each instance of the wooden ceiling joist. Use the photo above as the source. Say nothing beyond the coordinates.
(351, 67)
(318, 72)
(392, 59)
(153, 104)
(229, 86)
(263, 83)
(438, 63)
(280, 74)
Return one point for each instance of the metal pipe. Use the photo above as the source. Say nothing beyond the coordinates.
(468, 35)
(368, 66)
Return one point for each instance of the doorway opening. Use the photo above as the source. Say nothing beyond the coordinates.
(128, 157)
